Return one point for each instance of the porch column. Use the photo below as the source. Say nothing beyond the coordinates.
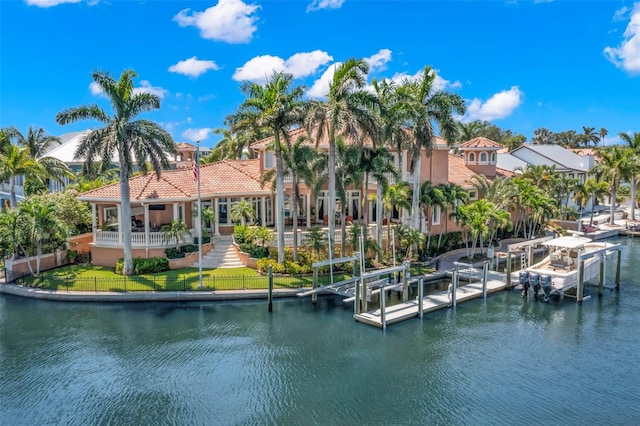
(216, 222)
(146, 225)
(308, 211)
(120, 224)
(175, 211)
(263, 208)
(94, 222)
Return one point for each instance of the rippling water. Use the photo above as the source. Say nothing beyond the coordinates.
(503, 361)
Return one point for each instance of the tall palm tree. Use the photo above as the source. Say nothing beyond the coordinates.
(300, 160)
(633, 144)
(14, 162)
(428, 108)
(589, 136)
(38, 144)
(614, 165)
(455, 195)
(277, 106)
(470, 130)
(140, 143)
(347, 112)
(602, 134)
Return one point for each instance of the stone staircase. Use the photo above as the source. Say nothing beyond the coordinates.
(223, 255)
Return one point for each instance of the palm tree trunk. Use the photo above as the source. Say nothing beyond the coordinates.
(295, 217)
(279, 197)
(593, 205)
(379, 221)
(331, 205)
(613, 204)
(415, 201)
(634, 189)
(365, 201)
(125, 221)
(12, 192)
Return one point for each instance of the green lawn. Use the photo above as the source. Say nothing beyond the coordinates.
(97, 278)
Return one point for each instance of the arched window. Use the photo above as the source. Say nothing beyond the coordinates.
(493, 157)
(483, 157)
(472, 157)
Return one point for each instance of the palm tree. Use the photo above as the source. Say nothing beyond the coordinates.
(15, 162)
(136, 142)
(316, 239)
(455, 195)
(38, 144)
(603, 134)
(176, 230)
(40, 224)
(277, 105)
(482, 217)
(614, 165)
(242, 211)
(396, 197)
(589, 136)
(428, 107)
(633, 144)
(470, 130)
(347, 112)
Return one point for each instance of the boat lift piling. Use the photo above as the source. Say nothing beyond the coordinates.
(485, 270)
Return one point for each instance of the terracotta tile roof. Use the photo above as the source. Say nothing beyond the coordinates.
(481, 142)
(584, 151)
(505, 173)
(185, 146)
(224, 178)
(459, 173)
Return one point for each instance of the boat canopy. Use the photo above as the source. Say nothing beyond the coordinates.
(567, 242)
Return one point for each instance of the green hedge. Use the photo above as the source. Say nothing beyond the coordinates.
(141, 266)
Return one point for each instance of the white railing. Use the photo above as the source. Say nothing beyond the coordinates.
(111, 238)
(303, 236)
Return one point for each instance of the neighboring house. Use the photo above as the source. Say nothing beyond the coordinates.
(65, 150)
(565, 161)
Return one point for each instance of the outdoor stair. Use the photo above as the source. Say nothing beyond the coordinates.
(222, 255)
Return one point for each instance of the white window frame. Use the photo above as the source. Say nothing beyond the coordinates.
(435, 215)
(486, 158)
(473, 194)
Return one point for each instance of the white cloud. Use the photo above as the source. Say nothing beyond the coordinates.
(208, 97)
(497, 106)
(324, 4)
(439, 83)
(193, 67)
(231, 21)
(320, 87)
(379, 60)
(627, 54)
(195, 135)
(302, 64)
(146, 87)
(621, 14)
(49, 3)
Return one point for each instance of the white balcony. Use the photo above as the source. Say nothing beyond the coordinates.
(138, 239)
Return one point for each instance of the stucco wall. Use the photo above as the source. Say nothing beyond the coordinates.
(80, 243)
(47, 261)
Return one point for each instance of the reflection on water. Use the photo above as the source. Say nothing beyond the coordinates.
(503, 361)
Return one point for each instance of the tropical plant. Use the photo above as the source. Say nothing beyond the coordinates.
(428, 107)
(176, 231)
(615, 163)
(633, 144)
(316, 239)
(347, 113)
(136, 142)
(40, 224)
(396, 197)
(277, 105)
(410, 239)
(243, 211)
(16, 161)
(481, 217)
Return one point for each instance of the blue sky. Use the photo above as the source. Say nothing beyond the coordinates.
(519, 64)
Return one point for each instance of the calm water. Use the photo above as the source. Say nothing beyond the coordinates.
(503, 361)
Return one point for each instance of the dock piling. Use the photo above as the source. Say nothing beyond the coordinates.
(383, 307)
(421, 296)
(618, 270)
(485, 270)
(405, 282)
(580, 289)
(270, 292)
(508, 269)
(454, 281)
(601, 277)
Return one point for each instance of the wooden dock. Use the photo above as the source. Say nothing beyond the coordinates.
(433, 302)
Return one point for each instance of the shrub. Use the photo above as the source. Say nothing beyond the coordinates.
(174, 253)
(151, 265)
(189, 248)
(262, 264)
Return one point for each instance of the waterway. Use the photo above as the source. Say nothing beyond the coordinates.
(503, 361)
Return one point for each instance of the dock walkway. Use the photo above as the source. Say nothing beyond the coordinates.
(433, 302)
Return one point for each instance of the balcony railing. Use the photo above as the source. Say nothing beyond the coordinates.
(304, 235)
(112, 238)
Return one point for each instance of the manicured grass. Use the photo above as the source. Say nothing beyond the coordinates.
(97, 278)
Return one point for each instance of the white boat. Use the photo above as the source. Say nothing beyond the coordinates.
(559, 271)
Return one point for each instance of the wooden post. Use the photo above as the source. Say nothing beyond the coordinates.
(421, 296)
(618, 269)
(454, 279)
(314, 296)
(580, 289)
(270, 293)
(601, 278)
(485, 270)
(356, 302)
(508, 269)
(530, 255)
(383, 307)
(405, 282)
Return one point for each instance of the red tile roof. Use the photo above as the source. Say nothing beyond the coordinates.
(224, 178)
(459, 173)
(481, 142)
